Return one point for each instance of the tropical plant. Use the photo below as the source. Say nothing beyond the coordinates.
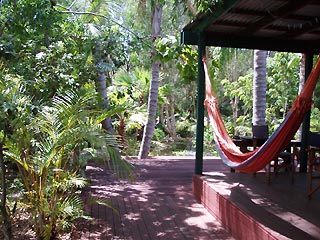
(129, 94)
(14, 104)
(49, 153)
(234, 91)
(207, 5)
(282, 85)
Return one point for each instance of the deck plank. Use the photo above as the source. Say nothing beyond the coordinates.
(158, 205)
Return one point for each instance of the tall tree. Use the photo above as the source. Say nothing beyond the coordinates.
(101, 85)
(301, 84)
(156, 19)
(259, 88)
(235, 70)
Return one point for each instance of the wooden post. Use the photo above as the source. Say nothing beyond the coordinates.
(200, 106)
(306, 121)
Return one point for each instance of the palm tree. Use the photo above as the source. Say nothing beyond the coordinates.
(101, 85)
(49, 153)
(301, 84)
(153, 92)
(259, 88)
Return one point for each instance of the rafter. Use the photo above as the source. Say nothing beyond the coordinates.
(269, 18)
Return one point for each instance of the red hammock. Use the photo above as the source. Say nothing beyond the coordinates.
(276, 143)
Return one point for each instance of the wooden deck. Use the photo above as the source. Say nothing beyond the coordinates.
(160, 204)
(251, 209)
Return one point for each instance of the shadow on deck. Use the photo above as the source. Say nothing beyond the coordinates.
(250, 208)
(158, 205)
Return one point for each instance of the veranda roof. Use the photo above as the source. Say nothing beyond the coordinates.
(278, 25)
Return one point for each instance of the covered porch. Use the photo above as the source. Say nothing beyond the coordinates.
(277, 25)
(248, 206)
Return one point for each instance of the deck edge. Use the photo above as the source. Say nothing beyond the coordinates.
(239, 224)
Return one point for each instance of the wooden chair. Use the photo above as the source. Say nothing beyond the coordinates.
(260, 134)
(283, 161)
(313, 162)
(296, 146)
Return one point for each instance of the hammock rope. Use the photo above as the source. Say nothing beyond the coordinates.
(259, 158)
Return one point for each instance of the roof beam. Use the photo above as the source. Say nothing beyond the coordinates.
(282, 12)
(272, 44)
(226, 5)
(307, 28)
(251, 42)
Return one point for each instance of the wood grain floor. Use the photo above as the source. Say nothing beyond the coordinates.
(158, 205)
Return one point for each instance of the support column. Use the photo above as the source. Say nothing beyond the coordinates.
(200, 106)
(306, 121)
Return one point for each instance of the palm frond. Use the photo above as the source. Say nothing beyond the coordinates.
(76, 182)
(108, 113)
(103, 202)
(70, 209)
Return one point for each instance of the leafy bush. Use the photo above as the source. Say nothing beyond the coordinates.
(209, 144)
(314, 121)
(159, 134)
(185, 128)
(49, 153)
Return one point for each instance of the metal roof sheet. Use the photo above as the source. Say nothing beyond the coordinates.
(282, 25)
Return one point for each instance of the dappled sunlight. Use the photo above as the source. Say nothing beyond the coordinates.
(287, 216)
(212, 174)
(198, 222)
(94, 168)
(159, 204)
(279, 209)
(224, 188)
(132, 216)
(203, 219)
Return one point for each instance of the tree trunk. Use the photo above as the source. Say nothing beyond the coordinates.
(172, 117)
(6, 227)
(192, 8)
(167, 117)
(259, 88)
(153, 93)
(101, 85)
(301, 84)
(235, 100)
(234, 104)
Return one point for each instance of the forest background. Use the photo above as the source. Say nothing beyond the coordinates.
(76, 78)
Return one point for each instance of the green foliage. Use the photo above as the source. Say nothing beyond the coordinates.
(227, 67)
(207, 5)
(282, 83)
(314, 120)
(51, 132)
(244, 125)
(14, 104)
(48, 52)
(130, 92)
(49, 153)
(158, 134)
(185, 127)
(169, 49)
(209, 143)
